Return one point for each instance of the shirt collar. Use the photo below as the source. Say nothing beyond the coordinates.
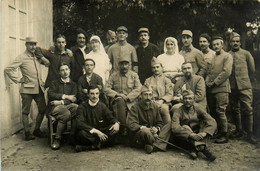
(205, 51)
(29, 53)
(125, 75)
(187, 49)
(92, 104)
(67, 80)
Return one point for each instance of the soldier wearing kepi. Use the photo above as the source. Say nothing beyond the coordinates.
(191, 127)
(218, 87)
(145, 52)
(32, 85)
(241, 96)
(144, 120)
(162, 89)
(123, 87)
(192, 55)
(122, 49)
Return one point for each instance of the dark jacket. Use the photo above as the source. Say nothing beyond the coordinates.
(242, 70)
(142, 115)
(78, 62)
(59, 88)
(98, 117)
(95, 80)
(55, 59)
(145, 56)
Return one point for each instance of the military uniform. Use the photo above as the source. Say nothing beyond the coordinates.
(143, 115)
(218, 74)
(162, 90)
(195, 57)
(128, 84)
(241, 96)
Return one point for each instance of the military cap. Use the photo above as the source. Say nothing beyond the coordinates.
(217, 37)
(155, 61)
(122, 28)
(124, 59)
(30, 40)
(234, 34)
(187, 32)
(143, 30)
(187, 92)
(146, 88)
(111, 33)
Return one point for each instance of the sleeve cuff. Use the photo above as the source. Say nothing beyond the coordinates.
(62, 102)
(63, 97)
(92, 131)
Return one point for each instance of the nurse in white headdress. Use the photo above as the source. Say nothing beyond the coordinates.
(171, 59)
(98, 54)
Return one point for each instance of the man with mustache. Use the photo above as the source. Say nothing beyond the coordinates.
(79, 52)
(144, 120)
(122, 49)
(145, 52)
(192, 55)
(96, 126)
(123, 87)
(162, 89)
(111, 39)
(241, 96)
(32, 85)
(192, 82)
(62, 98)
(186, 129)
(204, 41)
(218, 87)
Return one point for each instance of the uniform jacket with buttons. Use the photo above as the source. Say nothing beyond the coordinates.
(196, 84)
(242, 70)
(131, 89)
(143, 115)
(31, 72)
(162, 87)
(219, 72)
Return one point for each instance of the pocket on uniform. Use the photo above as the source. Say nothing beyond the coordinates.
(28, 85)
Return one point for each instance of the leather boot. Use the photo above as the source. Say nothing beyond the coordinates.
(222, 138)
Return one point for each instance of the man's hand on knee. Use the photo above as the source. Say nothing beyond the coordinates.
(114, 128)
(101, 135)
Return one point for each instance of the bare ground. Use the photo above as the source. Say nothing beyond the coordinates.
(37, 155)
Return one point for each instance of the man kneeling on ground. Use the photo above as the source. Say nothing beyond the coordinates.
(144, 120)
(96, 126)
(191, 127)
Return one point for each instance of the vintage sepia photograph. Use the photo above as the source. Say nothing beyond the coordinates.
(130, 85)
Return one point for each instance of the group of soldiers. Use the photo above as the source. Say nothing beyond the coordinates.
(179, 97)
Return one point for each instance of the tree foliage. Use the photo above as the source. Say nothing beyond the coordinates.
(163, 17)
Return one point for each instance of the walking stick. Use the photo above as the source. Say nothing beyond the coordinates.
(186, 151)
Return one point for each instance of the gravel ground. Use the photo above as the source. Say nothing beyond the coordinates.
(37, 155)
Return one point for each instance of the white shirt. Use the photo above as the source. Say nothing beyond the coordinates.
(171, 63)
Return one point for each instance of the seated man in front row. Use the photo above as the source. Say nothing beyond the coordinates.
(123, 87)
(191, 127)
(61, 95)
(96, 126)
(162, 89)
(192, 82)
(144, 120)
